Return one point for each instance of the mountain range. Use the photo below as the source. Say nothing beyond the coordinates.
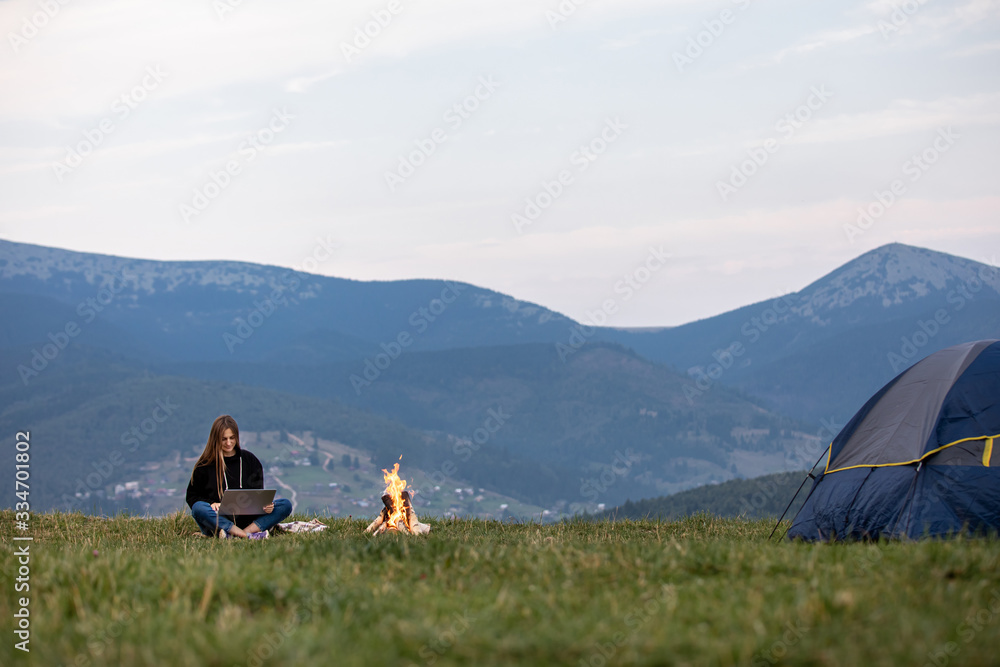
(820, 352)
(473, 385)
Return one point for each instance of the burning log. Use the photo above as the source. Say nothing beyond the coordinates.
(398, 514)
(411, 517)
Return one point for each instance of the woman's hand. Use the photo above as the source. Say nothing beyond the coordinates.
(268, 508)
(215, 506)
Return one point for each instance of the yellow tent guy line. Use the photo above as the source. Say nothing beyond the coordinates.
(988, 438)
(987, 452)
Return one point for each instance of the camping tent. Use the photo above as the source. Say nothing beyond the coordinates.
(919, 458)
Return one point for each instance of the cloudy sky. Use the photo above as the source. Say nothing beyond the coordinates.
(541, 149)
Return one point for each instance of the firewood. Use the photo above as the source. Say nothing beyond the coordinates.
(412, 522)
(411, 516)
(378, 525)
(407, 523)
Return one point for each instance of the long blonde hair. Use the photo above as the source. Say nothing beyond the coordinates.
(213, 449)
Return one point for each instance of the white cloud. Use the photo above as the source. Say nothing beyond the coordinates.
(78, 53)
(634, 39)
(811, 43)
(28, 215)
(976, 50)
(902, 117)
(301, 84)
(306, 147)
(928, 23)
(825, 40)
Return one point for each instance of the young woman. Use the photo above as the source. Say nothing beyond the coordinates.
(225, 465)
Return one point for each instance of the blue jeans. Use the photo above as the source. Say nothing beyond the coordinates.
(206, 517)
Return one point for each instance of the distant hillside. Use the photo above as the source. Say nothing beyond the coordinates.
(819, 353)
(588, 413)
(507, 395)
(757, 498)
(97, 421)
(221, 310)
(604, 426)
(816, 354)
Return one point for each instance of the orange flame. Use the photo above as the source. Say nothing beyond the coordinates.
(394, 486)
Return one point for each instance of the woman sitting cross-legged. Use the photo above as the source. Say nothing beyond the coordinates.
(225, 465)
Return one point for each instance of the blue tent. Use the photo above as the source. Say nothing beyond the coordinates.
(918, 459)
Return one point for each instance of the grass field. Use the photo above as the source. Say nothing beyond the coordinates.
(701, 591)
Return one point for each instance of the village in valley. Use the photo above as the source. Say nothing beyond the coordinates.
(320, 477)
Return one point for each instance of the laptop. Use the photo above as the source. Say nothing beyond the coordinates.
(246, 501)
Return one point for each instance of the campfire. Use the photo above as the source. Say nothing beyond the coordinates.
(398, 514)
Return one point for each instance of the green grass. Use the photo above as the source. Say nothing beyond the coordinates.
(702, 591)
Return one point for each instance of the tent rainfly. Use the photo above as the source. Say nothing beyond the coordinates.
(919, 459)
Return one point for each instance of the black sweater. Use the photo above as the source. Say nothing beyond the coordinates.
(203, 485)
